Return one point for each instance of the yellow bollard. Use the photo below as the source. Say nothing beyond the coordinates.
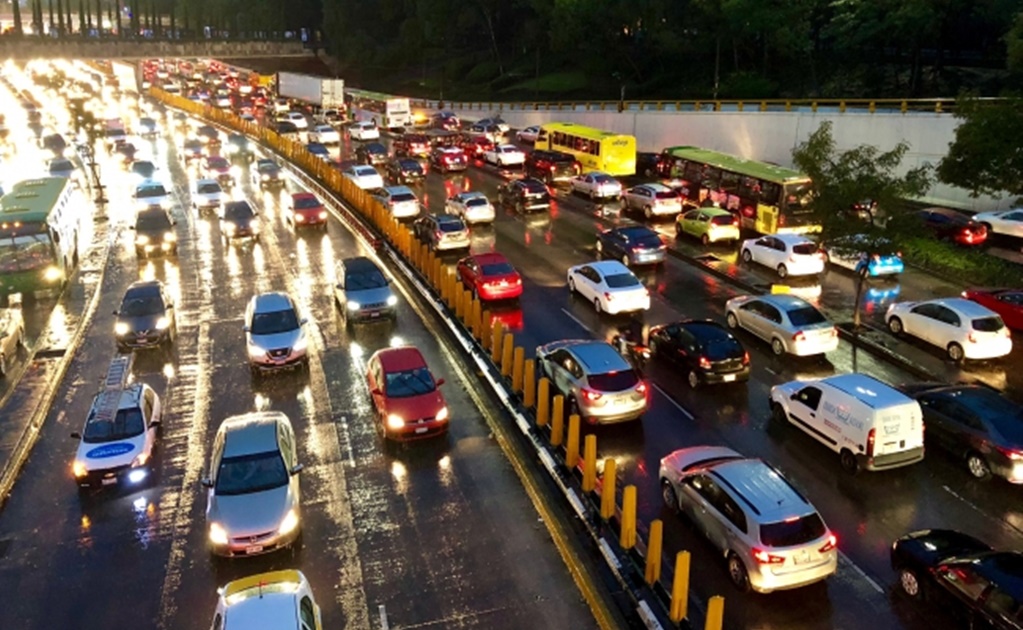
(558, 420)
(466, 305)
(607, 489)
(438, 269)
(572, 445)
(627, 539)
(653, 552)
(456, 298)
(590, 463)
(715, 613)
(680, 588)
(474, 319)
(506, 354)
(497, 334)
(529, 384)
(543, 402)
(486, 326)
(518, 360)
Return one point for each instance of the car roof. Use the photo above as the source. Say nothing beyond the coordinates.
(714, 212)
(400, 359)
(253, 432)
(361, 169)
(598, 357)
(271, 301)
(447, 218)
(706, 329)
(867, 390)
(269, 607)
(792, 239)
(144, 288)
(471, 194)
(530, 182)
(359, 264)
(131, 398)
(654, 186)
(969, 308)
(606, 267)
(763, 489)
(488, 258)
(783, 301)
(635, 230)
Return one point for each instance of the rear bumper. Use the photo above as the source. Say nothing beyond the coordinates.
(762, 581)
(739, 376)
(891, 460)
(501, 293)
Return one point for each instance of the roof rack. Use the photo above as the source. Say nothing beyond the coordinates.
(118, 375)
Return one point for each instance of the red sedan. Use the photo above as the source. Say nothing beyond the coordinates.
(406, 398)
(1006, 302)
(307, 210)
(490, 276)
(476, 146)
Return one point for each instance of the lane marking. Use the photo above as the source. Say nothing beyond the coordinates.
(860, 572)
(576, 320)
(383, 618)
(678, 405)
(344, 438)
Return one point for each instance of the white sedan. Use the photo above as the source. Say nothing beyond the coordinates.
(610, 286)
(295, 118)
(1007, 223)
(324, 134)
(597, 185)
(788, 254)
(365, 177)
(505, 155)
(528, 135)
(473, 207)
(364, 131)
(960, 327)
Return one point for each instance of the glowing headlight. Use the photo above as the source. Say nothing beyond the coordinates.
(353, 306)
(299, 218)
(163, 323)
(140, 460)
(170, 236)
(289, 523)
(323, 214)
(265, 177)
(232, 148)
(165, 204)
(442, 414)
(301, 344)
(121, 328)
(255, 352)
(392, 300)
(78, 468)
(52, 274)
(218, 536)
(230, 227)
(141, 239)
(395, 422)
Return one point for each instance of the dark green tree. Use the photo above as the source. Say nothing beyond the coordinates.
(1014, 46)
(985, 157)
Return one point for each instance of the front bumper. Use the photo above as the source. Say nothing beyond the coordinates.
(255, 545)
(154, 249)
(123, 476)
(292, 361)
(147, 339)
(417, 430)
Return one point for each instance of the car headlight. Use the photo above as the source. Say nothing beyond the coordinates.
(141, 239)
(323, 214)
(52, 274)
(353, 305)
(392, 300)
(442, 414)
(218, 535)
(255, 351)
(140, 460)
(170, 236)
(395, 422)
(289, 523)
(300, 344)
(121, 328)
(79, 470)
(299, 218)
(264, 177)
(230, 227)
(163, 323)
(232, 148)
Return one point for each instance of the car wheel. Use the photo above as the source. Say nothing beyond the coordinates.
(783, 271)
(648, 212)
(895, 325)
(669, 497)
(978, 467)
(910, 583)
(571, 285)
(625, 260)
(694, 379)
(732, 320)
(600, 248)
(596, 305)
(705, 239)
(777, 347)
(778, 414)
(849, 462)
(678, 229)
(738, 574)
(956, 352)
(747, 257)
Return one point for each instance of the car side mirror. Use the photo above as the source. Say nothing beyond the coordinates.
(376, 392)
(303, 321)
(440, 382)
(76, 435)
(206, 482)
(115, 313)
(794, 396)
(297, 468)
(245, 328)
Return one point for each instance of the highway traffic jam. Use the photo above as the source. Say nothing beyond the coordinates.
(249, 351)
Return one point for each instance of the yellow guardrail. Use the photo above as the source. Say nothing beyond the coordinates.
(563, 433)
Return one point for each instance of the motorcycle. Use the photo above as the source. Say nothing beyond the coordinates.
(635, 353)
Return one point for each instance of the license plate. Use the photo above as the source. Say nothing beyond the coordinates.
(253, 549)
(802, 558)
(728, 378)
(422, 429)
(374, 314)
(109, 482)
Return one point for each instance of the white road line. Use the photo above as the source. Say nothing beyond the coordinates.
(852, 565)
(383, 618)
(343, 437)
(685, 412)
(576, 320)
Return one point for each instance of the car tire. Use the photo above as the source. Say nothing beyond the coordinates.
(849, 462)
(737, 573)
(783, 271)
(910, 584)
(778, 414)
(777, 347)
(895, 326)
(732, 320)
(694, 379)
(596, 306)
(648, 212)
(956, 352)
(747, 256)
(571, 286)
(625, 260)
(977, 466)
(705, 240)
(670, 497)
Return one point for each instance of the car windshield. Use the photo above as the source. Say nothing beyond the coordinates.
(25, 253)
(267, 169)
(365, 171)
(306, 202)
(238, 212)
(792, 532)
(621, 280)
(604, 179)
(988, 324)
(316, 148)
(806, 249)
(409, 383)
(477, 201)
(144, 192)
(371, 279)
(498, 269)
(251, 473)
(806, 316)
(273, 322)
(404, 196)
(140, 306)
(152, 221)
(127, 423)
(410, 165)
(208, 188)
(613, 381)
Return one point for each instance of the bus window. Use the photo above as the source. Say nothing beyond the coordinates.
(770, 193)
(693, 173)
(730, 182)
(798, 196)
(750, 188)
(711, 177)
(596, 148)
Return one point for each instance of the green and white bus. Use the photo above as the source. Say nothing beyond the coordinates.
(41, 223)
(386, 110)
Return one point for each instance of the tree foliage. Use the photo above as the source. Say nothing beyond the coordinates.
(985, 157)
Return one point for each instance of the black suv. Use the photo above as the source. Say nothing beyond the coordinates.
(267, 174)
(405, 171)
(154, 233)
(706, 351)
(551, 166)
(146, 317)
(372, 153)
(524, 194)
(238, 149)
(239, 221)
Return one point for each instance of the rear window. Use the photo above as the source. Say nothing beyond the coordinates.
(619, 280)
(805, 249)
(498, 269)
(534, 187)
(403, 197)
(806, 316)
(722, 219)
(451, 226)
(613, 381)
(209, 188)
(790, 532)
(477, 201)
(723, 348)
(649, 240)
(665, 194)
(988, 324)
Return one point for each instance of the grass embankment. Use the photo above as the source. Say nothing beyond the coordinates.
(969, 266)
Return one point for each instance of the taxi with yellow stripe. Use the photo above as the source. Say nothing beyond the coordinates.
(278, 600)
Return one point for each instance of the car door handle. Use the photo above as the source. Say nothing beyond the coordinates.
(813, 415)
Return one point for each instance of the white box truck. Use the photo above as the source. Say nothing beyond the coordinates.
(322, 92)
(127, 74)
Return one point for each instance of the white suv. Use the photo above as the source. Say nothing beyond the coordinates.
(960, 327)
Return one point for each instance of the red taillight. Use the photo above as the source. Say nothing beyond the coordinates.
(705, 363)
(1011, 453)
(972, 337)
(745, 358)
(799, 336)
(735, 221)
(641, 387)
(763, 557)
(608, 296)
(870, 443)
(552, 168)
(831, 544)
(591, 395)
(439, 234)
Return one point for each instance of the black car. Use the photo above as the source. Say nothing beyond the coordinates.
(192, 149)
(551, 166)
(447, 121)
(55, 143)
(239, 221)
(944, 224)
(372, 153)
(154, 233)
(705, 350)
(143, 168)
(266, 174)
(404, 171)
(145, 318)
(238, 149)
(632, 244)
(284, 127)
(209, 134)
(976, 424)
(962, 577)
(525, 194)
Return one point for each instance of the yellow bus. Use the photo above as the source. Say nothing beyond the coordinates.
(594, 149)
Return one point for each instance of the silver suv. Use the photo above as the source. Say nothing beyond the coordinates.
(275, 336)
(363, 292)
(770, 535)
(597, 382)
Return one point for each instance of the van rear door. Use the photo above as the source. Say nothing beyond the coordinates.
(898, 428)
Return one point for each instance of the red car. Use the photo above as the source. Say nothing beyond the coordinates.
(406, 398)
(1006, 302)
(948, 224)
(490, 276)
(476, 146)
(306, 210)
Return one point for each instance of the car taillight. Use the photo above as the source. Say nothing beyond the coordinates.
(641, 387)
(705, 363)
(608, 296)
(735, 221)
(591, 395)
(1011, 453)
(552, 168)
(764, 557)
(745, 358)
(439, 234)
(972, 337)
(870, 442)
(831, 544)
(799, 336)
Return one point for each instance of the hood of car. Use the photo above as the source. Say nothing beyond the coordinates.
(139, 323)
(276, 341)
(251, 514)
(425, 405)
(369, 296)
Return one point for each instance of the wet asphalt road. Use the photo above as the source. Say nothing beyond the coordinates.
(436, 534)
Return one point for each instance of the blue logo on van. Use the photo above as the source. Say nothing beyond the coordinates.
(110, 450)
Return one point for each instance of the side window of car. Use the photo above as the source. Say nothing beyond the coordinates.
(964, 580)
(771, 313)
(307, 612)
(753, 307)
(731, 510)
(809, 396)
(704, 217)
(925, 310)
(686, 341)
(948, 316)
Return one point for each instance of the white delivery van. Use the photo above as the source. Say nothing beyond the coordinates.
(869, 424)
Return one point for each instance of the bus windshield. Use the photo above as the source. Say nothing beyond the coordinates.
(25, 253)
(798, 196)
